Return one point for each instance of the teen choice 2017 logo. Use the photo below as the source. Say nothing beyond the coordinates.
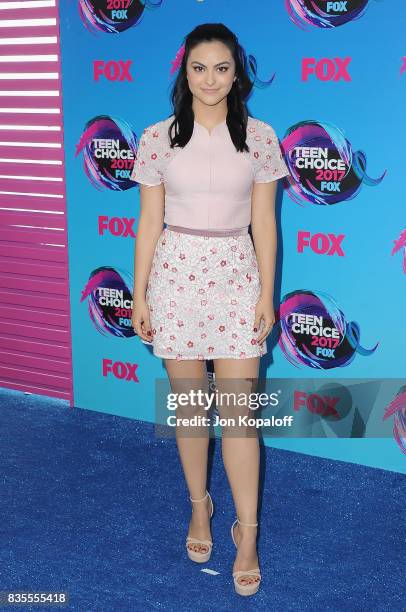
(110, 302)
(109, 146)
(114, 16)
(325, 13)
(315, 333)
(323, 166)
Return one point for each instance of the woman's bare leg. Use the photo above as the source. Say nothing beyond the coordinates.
(193, 443)
(240, 450)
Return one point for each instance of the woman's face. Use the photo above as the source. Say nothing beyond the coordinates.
(210, 72)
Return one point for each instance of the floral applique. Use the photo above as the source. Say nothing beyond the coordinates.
(185, 328)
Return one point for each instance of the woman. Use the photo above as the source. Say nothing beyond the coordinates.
(201, 291)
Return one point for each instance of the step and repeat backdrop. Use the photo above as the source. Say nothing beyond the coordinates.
(330, 78)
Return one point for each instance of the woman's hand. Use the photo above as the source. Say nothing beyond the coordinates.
(140, 320)
(264, 311)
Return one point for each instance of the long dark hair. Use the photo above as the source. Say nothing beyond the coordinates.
(181, 96)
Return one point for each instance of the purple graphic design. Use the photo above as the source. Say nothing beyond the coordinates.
(315, 333)
(110, 302)
(323, 167)
(400, 244)
(109, 146)
(324, 14)
(113, 16)
(397, 408)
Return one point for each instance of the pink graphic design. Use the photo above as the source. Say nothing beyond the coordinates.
(108, 145)
(400, 244)
(110, 302)
(397, 409)
(315, 332)
(113, 16)
(325, 13)
(178, 59)
(323, 165)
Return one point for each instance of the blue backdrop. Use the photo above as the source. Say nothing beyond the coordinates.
(330, 80)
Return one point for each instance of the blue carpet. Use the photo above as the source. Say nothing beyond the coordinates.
(96, 505)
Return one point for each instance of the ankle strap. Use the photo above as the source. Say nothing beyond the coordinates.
(198, 500)
(248, 524)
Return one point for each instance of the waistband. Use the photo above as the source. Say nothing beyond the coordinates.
(240, 231)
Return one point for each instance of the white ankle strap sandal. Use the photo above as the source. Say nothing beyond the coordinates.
(200, 557)
(245, 589)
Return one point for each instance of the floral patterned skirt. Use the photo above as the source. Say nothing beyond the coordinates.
(202, 293)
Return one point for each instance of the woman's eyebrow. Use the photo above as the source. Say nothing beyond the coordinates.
(196, 62)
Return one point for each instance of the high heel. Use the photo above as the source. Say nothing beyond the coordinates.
(200, 557)
(245, 589)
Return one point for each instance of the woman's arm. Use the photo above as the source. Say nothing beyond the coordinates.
(264, 236)
(152, 204)
(263, 226)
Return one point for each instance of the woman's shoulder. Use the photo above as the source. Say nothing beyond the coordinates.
(265, 151)
(259, 128)
(159, 128)
(154, 145)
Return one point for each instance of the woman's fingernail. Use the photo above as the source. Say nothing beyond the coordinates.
(149, 333)
(255, 329)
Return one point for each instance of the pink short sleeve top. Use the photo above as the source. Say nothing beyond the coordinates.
(208, 184)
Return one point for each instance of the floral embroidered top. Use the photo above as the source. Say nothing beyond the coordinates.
(208, 184)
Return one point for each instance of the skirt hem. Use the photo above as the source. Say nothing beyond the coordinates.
(197, 357)
(210, 357)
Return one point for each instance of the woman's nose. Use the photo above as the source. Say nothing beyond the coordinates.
(210, 79)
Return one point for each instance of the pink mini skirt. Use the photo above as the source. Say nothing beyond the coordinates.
(202, 293)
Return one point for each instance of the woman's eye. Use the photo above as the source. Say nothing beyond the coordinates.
(222, 68)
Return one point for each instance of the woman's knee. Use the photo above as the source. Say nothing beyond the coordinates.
(189, 382)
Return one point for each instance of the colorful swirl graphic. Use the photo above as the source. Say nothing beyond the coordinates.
(324, 14)
(323, 167)
(397, 407)
(109, 146)
(400, 244)
(113, 16)
(315, 333)
(110, 302)
(252, 69)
